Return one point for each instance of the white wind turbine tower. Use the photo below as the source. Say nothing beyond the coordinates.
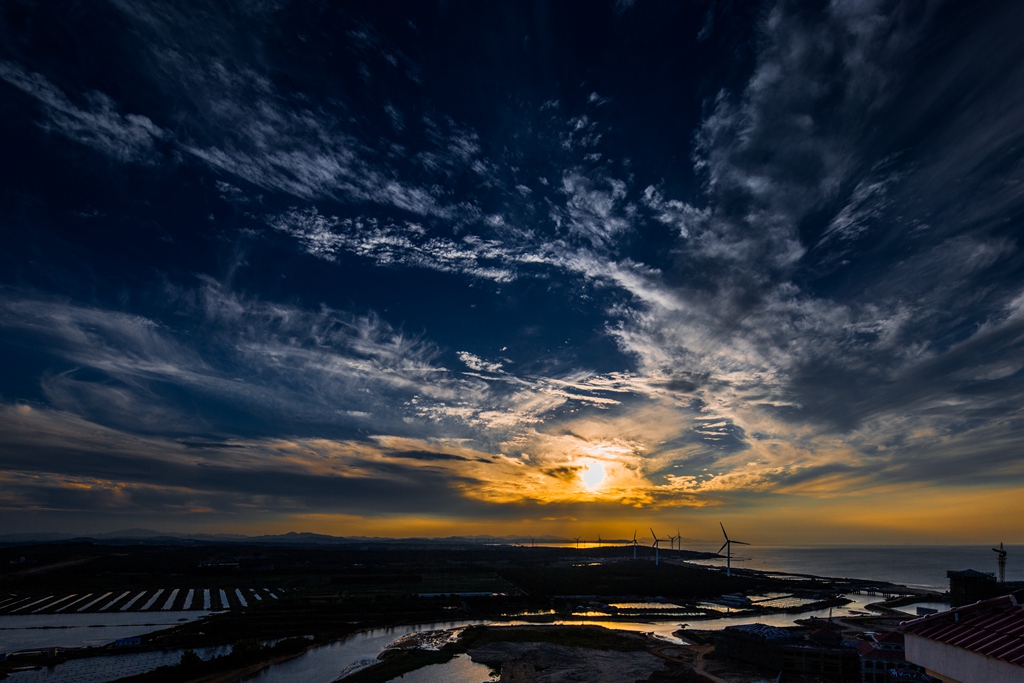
(655, 546)
(727, 546)
(634, 544)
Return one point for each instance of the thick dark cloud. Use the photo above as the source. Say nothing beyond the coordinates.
(427, 455)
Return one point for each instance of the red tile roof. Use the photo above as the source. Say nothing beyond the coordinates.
(870, 651)
(994, 628)
(894, 637)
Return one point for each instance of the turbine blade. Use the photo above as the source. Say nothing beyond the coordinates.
(723, 547)
(739, 542)
(723, 531)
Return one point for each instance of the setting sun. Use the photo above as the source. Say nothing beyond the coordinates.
(593, 476)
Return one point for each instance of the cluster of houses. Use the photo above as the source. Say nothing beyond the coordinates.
(980, 639)
(823, 653)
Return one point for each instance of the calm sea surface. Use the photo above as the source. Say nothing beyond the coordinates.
(916, 566)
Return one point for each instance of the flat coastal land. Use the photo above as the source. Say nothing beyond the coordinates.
(270, 603)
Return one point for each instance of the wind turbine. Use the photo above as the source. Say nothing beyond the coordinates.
(1002, 563)
(727, 546)
(679, 540)
(600, 543)
(634, 544)
(656, 542)
(577, 542)
(672, 542)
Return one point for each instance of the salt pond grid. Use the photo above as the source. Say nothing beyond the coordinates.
(164, 599)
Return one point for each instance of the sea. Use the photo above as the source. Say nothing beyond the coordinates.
(912, 565)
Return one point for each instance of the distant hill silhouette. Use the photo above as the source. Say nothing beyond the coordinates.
(149, 536)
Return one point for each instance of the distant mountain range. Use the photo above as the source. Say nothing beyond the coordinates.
(148, 536)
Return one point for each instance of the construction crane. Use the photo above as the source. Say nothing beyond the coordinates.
(1002, 563)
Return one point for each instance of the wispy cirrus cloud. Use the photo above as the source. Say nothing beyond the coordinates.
(223, 110)
(409, 245)
(594, 210)
(319, 368)
(312, 369)
(94, 122)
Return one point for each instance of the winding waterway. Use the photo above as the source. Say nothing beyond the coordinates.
(329, 662)
(326, 663)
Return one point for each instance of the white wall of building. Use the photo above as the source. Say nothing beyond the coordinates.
(956, 665)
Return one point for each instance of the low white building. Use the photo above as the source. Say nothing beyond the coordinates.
(978, 643)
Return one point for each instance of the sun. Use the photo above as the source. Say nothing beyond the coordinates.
(593, 475)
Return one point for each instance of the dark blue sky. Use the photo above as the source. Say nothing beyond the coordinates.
(461, 267)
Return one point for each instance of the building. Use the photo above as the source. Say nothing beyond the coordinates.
(785, 650)
(969, 586)
(978, 643)
(757, 644)
(882, 659)
(836, 663)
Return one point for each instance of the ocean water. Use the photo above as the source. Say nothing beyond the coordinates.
(915, 566)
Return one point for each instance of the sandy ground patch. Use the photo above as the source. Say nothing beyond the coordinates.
(549, 663)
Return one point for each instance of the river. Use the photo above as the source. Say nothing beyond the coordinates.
(327, 663)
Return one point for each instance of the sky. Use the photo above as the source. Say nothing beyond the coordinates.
(549, 268)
